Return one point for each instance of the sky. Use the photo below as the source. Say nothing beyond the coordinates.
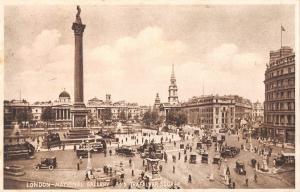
(128, 51)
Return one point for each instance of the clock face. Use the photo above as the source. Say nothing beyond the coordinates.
(79, 121)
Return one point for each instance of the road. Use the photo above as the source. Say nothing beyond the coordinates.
(67, 167)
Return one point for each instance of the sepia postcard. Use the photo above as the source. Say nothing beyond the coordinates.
(103, 95)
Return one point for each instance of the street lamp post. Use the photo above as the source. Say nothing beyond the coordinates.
(89, 163)
(250, 137)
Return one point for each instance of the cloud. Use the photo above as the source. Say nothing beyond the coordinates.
(126, 68)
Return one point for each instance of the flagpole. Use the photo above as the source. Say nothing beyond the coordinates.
(280, 36)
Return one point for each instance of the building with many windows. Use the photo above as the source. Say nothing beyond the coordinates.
(210, 112)
(257, 112)
(98, 111)
(279, 106)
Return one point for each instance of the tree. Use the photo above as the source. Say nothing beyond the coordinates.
(136, 118)
(154, 117)
(47, 115)
(180, 119)
(176, 118)
(147, 118)
(106, 115)
(24, 115)
(150, 117)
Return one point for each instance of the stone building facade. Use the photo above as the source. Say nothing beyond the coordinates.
(279, 106)
(210, 112)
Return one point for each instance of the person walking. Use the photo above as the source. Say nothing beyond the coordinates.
(78, 166)
(190, 179)
(130, 162)
(110, 152)
(233, 185)
(160, 168)
(255, 177)
(179, 156)
(246, 182)
(132, 172)
(173, 169)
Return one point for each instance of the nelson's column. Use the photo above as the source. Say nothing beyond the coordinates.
(79, 111)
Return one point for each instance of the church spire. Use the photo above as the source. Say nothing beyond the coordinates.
(173, 74)
(173, 97)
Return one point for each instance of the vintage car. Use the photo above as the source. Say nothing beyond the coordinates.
(285, 158)
(240, 168)
(96, 147)
(51, 140)
(126, 151)
(83, 153)
(214, 138)
(230, 152)
(201, 151)
(199, 145)
(193, 158)
(204, 158)
(181, 146)
(216, 159)
(223, 130)
(47, 163)
(207, 141)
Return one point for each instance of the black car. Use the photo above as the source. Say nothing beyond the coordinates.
(240, 168)
(223, 130)
(47, 163)
(82, 153)
(204, 158)
(126, 151)
(230, 152)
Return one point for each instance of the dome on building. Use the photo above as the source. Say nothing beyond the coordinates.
(64, 94)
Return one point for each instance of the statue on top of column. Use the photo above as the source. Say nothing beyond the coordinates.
(78, 19)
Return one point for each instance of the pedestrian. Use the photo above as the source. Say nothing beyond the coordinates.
(132, 172)
(190, 148)
(227, 171)
(130, 162)
(179, 156)
(185, 158)
(190, 179)
(142, 175)
(255, 177)
(63, 146)
(174, 143)
(238, 138)
(246, 182)
(126, 139)
(110, 152)
(74, 148)
(184, 152)
(160, 168)
(173, 169)
(233, 185)
(78, 166)
(86, 176)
